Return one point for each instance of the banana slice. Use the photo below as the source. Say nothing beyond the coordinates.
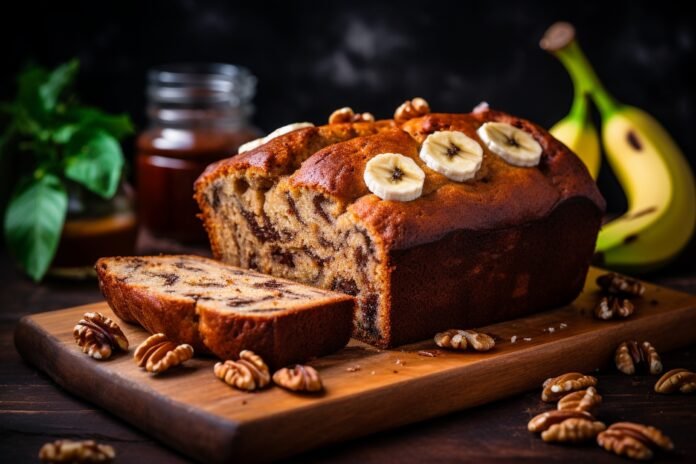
(514, 145)
(276, 133)
(285, 129)
(452, 154)
(250, 145)
(392, 176)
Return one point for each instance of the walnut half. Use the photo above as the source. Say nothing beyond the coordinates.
(677, 380)
(632, 356)
(411, 109)
(299, 379)
(455, 339)
(99, 336)
(557, 387)
(581, 400)
(248, 373)
(346, 114)
(636, 441)
(157, 353)
(67, 451)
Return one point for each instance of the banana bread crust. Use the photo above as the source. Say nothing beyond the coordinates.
(326, 163)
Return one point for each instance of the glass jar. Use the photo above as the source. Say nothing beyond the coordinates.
(199, 113)
(94, 227)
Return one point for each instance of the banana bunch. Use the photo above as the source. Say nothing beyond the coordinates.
(651, 168)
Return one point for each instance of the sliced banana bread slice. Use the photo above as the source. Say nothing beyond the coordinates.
(221, 309)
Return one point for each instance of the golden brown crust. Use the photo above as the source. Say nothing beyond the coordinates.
(331, 159)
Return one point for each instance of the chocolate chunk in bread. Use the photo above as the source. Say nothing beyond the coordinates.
(222, 310)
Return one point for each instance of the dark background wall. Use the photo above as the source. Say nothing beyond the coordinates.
(312, 57)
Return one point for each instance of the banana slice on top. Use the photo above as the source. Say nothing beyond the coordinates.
(453, 154)
(276, 133)
(392, 176)
(514, 145)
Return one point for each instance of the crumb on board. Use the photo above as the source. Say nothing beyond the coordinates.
(563, 325)
(429, 353)
(355, 368)
(527, 339)
(372, 372)
(552, 329)
(513, 339)
(399, 362)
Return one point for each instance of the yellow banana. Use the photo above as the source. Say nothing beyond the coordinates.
(651, 168)
(576, 130)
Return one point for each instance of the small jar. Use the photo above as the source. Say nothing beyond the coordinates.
(199, 113)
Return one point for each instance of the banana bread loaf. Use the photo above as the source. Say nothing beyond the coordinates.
(222, 310)
(507, 228)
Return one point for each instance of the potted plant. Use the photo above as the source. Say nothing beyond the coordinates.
(61, 168)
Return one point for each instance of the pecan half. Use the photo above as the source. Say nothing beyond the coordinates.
(545, 420)
(248, 373)
(99, 336)
(633, 440)
(157, 353)
(69, 451)
(617, 284)
(677, 380)
(574, 430)
(610, 307)
(632, 357)
(454, 339)
(557, 387)
(299, 379)
(346, 114)
(581, 400)
(411, 109)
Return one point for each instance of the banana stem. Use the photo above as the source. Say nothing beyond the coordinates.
(585, 80)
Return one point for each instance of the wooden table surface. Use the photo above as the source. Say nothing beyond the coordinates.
(33, 410)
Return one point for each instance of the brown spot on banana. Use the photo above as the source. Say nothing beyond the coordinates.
(633, 140)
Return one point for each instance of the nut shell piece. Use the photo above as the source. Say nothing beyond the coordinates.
(157, 353)
(299, 379)
(248, 373)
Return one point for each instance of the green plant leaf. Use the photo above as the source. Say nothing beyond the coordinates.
(57, 81)
(34, 221)
(94, 160)
(89, 118)
(29, 103)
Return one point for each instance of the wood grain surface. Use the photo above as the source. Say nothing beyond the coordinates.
(190, 410)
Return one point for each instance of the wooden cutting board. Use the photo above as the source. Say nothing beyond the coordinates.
(367, 389)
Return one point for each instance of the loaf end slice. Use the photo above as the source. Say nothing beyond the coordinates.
(221, 309)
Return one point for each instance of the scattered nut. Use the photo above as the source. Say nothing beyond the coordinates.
(454, 339)
(299, 378)
(631, 357)
(157, 353)
(676, 380)
(67, 451)
(574, 430)
(248, 373)
(557, 387)
(99, 336)
(617, 284)
(581, 400)
(411, 109)
(346, 114)
(633, 440)
(610, 307)
(543, 421)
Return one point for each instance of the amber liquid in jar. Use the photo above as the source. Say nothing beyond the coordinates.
(198, 114)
